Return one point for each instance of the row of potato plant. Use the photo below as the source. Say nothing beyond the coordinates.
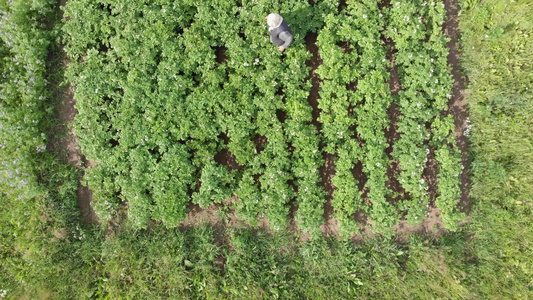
(415, 27)
(354, 98)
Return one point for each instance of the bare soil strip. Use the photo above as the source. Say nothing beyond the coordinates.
(66, 145)
(64, 142)
(392, 136)
(327, 171)
(393, 113)
(313, 63)
(431, 226)
(430, 174)
(458, 105)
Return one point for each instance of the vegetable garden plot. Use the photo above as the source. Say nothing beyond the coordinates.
(154, 105)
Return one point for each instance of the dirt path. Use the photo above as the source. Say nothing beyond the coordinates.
(393, 112)
(65, 143)
(327, 171)
(313, 63)
(458, 105)
(67, 147)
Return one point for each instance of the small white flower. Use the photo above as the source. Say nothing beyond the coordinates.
(364, 16)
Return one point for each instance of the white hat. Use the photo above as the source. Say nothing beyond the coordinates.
(274, 20)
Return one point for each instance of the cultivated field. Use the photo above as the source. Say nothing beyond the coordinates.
(167, 150)
(198, 105)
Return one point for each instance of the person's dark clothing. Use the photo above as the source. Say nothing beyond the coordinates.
(281, 35)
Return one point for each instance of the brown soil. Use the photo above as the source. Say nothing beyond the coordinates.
(360, 176)
(220, 217)
(393, 113)
(458, 105)
(64, 142)
(384, 4)
(281, 115)
(394, 184)
(392, 136)
(220, 261)
(430, 174)
(226, 158)
(314, 62)
(394, 82)
(260, 141)
(342, 5)
(345, 46)
(220, 53)
(432, 226)
(327, 171)
(197, 215)
(66, 146)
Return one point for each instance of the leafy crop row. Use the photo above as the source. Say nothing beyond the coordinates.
(415, 27)
(354, 99)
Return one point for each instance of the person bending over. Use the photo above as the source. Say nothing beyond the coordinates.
(280, 33)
